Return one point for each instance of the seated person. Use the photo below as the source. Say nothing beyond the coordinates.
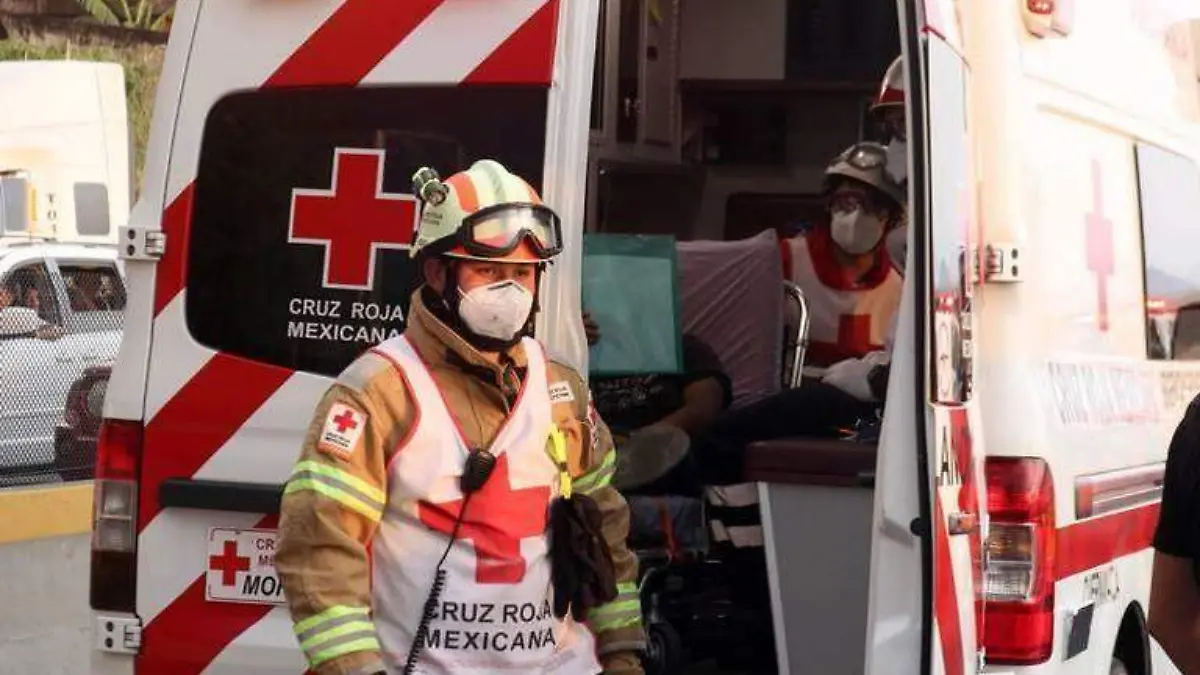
(44, 330)
(852, 287)
(656, 418)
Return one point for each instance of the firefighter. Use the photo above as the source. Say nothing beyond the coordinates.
(451, 510)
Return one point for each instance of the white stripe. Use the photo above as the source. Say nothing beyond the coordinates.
(267, 646)
(237, 45)
(457, 37)
(175, 357)
(172, 552)
(732, 496)
(265, 447)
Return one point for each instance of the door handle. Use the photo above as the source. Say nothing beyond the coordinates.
(962, 522)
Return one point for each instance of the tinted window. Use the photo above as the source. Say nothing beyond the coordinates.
(91, 208)
(1169, 187)
(93, 287)
(251, 291)
(14, 204)
(29, 286)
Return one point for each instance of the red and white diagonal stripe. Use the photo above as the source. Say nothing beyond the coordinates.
(213, 415)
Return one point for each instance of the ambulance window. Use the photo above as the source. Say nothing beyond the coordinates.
(1169, 186)
(263, 280)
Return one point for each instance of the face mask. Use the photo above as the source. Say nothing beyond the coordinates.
(497, 310)
(897, 247)
(856, 232)
(897, 160)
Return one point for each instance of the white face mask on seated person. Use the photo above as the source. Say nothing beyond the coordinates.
(855, 231)
(496, 310)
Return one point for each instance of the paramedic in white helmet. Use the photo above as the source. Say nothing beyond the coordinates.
(451, 510)
(850, 284)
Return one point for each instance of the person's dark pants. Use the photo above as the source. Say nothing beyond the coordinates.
(812, 409)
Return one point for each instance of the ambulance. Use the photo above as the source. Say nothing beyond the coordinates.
(1051, 170)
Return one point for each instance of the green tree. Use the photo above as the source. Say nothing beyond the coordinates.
(127, 13)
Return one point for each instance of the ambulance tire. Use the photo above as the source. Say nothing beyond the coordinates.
(1117, 667)
(664, 650)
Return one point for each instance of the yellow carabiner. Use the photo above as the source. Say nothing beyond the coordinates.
(558, 452)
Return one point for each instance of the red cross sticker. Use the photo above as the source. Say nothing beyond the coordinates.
(345, 421)
(1100, 245)
(229, 563)
(354, 219)
(499, 518)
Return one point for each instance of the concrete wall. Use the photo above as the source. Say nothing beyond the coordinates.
(43, 606)
(44, 558)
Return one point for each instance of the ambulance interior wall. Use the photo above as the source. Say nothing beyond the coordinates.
(818, 127)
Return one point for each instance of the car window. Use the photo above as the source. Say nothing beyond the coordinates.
(303, 209)
(28, 285)
(93, 287)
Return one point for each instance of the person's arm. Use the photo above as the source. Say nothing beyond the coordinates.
(332, 505)
(707, 390)
(617, 625)
(1174, 616)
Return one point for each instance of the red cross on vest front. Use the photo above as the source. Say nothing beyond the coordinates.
(497, 519)
(354, 219)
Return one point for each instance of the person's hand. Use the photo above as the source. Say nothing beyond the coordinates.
(590, 329)
(49, 332)
(852, 377)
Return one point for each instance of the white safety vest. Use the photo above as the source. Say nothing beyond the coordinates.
(495, 611)
(843, 323)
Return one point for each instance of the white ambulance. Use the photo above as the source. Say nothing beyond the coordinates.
(1014, 494)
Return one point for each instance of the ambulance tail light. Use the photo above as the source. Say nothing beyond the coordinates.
(1019, 592)
(114, 522)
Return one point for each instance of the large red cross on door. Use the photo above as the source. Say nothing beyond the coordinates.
(1100, 245)
(354, 219)
(500, 517)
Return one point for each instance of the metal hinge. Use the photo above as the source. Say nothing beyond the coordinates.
(1003, 264)
(980, 659)
(139, 243)
(118, 634)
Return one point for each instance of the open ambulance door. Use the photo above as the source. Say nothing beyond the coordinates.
(929, 519)
(279, 196)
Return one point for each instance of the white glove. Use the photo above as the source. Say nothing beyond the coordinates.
(851, 375)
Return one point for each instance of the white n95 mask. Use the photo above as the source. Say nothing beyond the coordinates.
(497, 310)
(855, 232)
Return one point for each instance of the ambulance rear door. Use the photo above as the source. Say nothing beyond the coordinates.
(288, 216)
(929, 520)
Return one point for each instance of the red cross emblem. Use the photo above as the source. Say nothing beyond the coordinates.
(854, 333)
(345, 421)
(229, 563)
(353, 220)
(1100, 245)
(496, 523)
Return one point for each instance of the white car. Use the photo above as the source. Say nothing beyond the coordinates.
(61, 311)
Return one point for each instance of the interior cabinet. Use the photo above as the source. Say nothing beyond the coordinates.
(635, 94)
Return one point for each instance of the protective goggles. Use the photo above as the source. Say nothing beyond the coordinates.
(498, 230)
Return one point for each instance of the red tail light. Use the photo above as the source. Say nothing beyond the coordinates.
(1019, 593)
(114, 516)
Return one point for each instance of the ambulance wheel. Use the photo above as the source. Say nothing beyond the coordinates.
(1117, 667)
(664, 650)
